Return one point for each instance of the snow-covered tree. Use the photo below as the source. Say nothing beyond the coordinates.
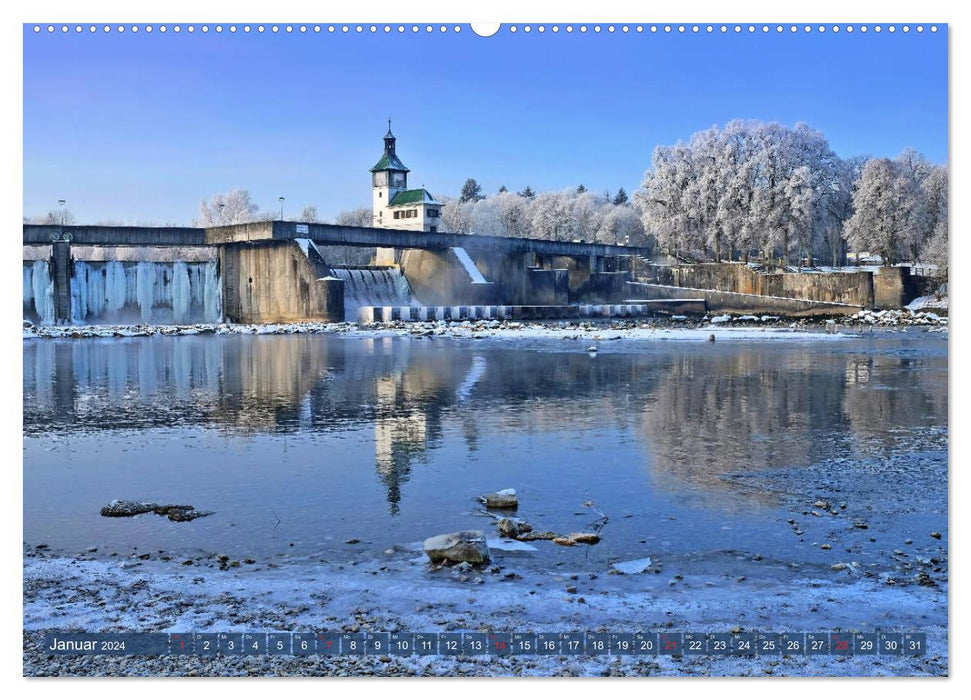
(355, 217)
(226, 208)
(310, 215)
(61, 215)
(749, 186)
(527, 192)
(513, 214)
(456, 215)
(621, 225)
(887, 216)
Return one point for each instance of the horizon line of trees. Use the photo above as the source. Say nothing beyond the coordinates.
(747, 190)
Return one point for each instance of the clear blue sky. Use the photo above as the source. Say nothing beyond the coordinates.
(141, 127)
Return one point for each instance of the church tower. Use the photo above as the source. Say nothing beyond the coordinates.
(393, 204)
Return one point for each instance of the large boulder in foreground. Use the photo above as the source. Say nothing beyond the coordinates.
(469, 546)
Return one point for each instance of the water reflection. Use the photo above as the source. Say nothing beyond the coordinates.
(698, 413)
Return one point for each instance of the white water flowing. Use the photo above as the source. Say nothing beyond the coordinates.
(385, 286)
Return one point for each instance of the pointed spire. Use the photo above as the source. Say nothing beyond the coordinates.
(389, 135)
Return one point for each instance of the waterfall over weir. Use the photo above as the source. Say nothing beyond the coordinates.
(373, 286)
(145, 292)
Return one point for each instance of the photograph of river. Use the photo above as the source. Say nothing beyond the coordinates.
(485, 350)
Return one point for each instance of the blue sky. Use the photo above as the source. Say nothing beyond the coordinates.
(141, 127)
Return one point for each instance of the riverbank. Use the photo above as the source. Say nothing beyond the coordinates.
(85, 594)
(745, 327)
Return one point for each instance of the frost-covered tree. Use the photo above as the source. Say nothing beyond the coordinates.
(310, 215)
(747, 187)
(550, 218)
(513, 214)
(61, 215)
(471, 191)
(887, 210)
(620, 197)
(933, 214)
(226, 208)
(502, 188)
(621, 225)
(456, 215)
(355, 217)
(527, 192)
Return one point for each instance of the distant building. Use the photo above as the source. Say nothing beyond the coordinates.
(393, 204)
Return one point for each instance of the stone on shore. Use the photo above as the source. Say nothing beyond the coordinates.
(577, 538)
(126, 509)
(530, 536)
(505, 499)
(176, 513)
(513, 527)
(466, 546)
(182, 514)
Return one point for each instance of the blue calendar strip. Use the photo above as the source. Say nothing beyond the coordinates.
(390, 644)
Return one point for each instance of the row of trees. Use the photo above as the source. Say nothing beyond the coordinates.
(756, 188)
(571, 214)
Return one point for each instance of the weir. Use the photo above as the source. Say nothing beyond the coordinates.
(277, 271)
(373, 286)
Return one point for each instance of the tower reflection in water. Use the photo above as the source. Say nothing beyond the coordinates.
(699, 413)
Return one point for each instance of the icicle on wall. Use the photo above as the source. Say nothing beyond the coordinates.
(145, 292)
(38, 292)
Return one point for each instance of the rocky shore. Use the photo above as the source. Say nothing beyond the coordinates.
(672, 327)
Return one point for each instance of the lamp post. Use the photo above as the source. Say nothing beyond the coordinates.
(61, 203)
(281, 208)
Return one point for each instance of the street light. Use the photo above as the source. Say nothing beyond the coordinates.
(61, 203)
(281, 208)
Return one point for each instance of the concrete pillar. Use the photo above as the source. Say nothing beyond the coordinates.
(61, 274)
(385, 256)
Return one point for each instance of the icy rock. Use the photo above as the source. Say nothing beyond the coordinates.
(465, 546)
(510, 545)
(725, 318)
(635, 566)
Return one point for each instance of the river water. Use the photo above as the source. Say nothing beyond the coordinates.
(300, 443)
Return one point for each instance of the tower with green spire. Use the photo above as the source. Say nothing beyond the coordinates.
(393, 204)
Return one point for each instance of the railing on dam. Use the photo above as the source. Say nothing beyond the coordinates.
(322, 234)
